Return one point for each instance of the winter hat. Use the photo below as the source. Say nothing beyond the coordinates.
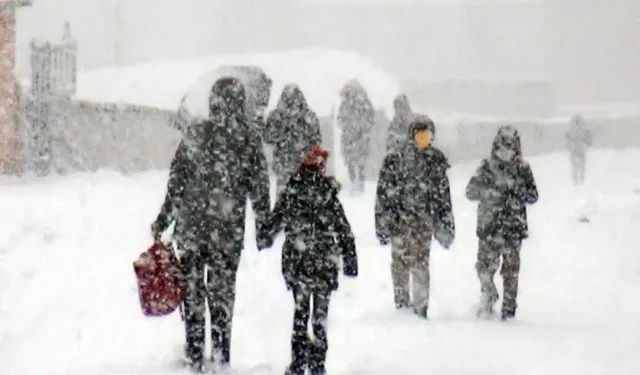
(315, 160)
(506, 145)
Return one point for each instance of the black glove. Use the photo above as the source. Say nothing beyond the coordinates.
(156, 229)
(444, 236)
(263, 242)
(264, 237)
(383, 239)
(350, 269)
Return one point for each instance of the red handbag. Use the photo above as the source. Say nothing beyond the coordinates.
(161, 284)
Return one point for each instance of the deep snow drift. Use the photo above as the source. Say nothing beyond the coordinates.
(68, 302)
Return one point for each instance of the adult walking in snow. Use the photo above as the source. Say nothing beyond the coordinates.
(218, 164)
(356, 119)
(503, 185)
(578, 139)
(398, 133)
(413, 204)
(318, 236)
(292, 129)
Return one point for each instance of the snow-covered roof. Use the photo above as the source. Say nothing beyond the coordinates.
(319, 72)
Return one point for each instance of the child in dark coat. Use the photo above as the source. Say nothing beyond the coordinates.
(318, 237)
(503, 186)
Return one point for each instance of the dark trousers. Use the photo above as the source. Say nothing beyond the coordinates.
(410, 254)
(220, 266)
(578, 166)
(355, 151)
(490, 253)
(356, 173)
(306, 351)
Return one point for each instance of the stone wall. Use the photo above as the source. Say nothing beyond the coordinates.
(127, 138)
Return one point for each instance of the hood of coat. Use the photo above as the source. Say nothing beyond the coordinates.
(506, 145)
(401, 106)
(292, 100)
(421, 132)
(228, 97)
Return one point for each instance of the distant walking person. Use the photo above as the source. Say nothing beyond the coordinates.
(398, 133)
(356, 119)
(578, 139)
(292, 128)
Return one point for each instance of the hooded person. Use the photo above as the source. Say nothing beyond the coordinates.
(356, 118)
(292, 128)
(217, 165)
(413, 205)
(503, 185)
(398, 133)
(578, 140)
(318, 239)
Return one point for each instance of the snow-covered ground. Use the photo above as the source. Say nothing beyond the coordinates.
(319, 72)
(68, 302)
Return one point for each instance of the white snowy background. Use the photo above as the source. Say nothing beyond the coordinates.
(68, 298)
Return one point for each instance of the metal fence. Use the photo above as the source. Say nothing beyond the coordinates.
(53, 84)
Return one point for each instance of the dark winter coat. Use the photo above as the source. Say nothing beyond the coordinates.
(356, 118)
(398, 133)
(503, 189)
(292, 129)
(318, 234)
(217, 165)
(414, 183)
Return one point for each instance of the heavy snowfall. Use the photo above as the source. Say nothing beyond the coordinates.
(319, 187)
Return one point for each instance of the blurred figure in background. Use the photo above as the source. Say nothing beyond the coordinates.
(292, 128)
(356, 119)
(578, 139)
(398, 133)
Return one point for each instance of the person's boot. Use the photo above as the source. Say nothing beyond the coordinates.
(299, 358)
(294, 370)
(220, 349)
(317, 370)
(421, 312)
(508, 314)
(198, 367)
(402, 305)
(401, 300)
(316, 359)
(485, 307)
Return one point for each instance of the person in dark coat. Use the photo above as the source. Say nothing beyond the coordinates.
(217, 165)
(292, 129)
(503, 185)
(356, 118)
(398, 133)
(318, 236)
(413, 204)
(578, 139)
